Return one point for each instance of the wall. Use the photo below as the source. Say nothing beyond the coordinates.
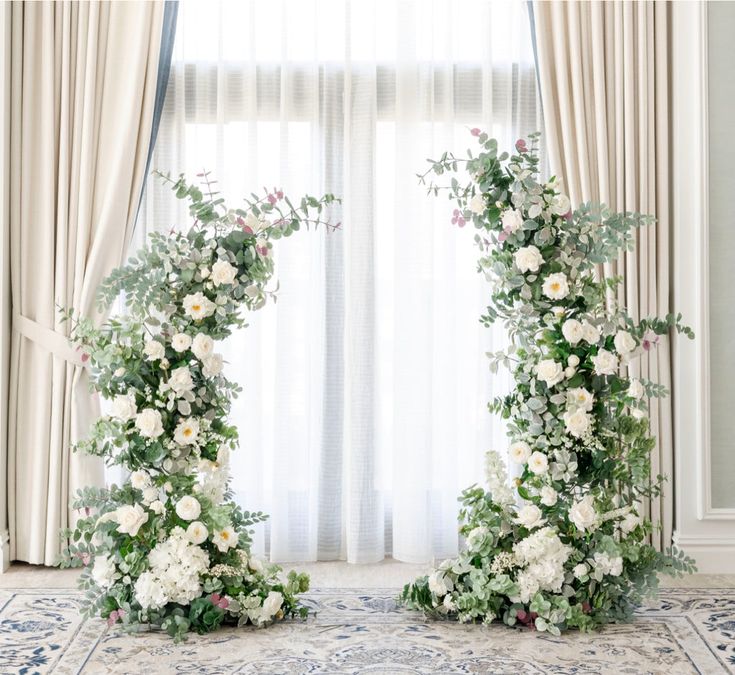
(705, 519)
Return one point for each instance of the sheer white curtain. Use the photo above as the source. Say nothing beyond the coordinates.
(364, 406)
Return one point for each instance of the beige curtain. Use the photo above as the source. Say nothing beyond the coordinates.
(603, 77)
(83, 89)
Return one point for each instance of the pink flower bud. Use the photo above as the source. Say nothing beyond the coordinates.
(521, 146)
(475, 131)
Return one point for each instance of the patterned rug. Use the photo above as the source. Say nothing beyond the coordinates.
(354, 631)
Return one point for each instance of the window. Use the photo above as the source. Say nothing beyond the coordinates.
(363, 411)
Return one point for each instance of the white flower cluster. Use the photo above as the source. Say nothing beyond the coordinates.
(176, 567)
(541, 557)
(496, 476)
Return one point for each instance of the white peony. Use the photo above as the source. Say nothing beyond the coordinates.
(549, 371)
(154, 350)
(560, 205)
(577, 422)
(202, 346)
(212, 365)
(549, 496)
(197, 532)
(624, 342)
(556, 286)
(530, 516)
(572, 331)
(130, 518)
(140, 479)
(636, 390)
(605, 362)
(580, 398)
(188, 508)
(187, 431)
(223, 274)
(538, 463)
(583, 514)
(591, 333)
(477, 205)
(104, 572)
(180, 381)
(123, 407)
(181, 342)
(149, 423)
(225, 539)
(512, 220)
(272, 605)
(528, 259)
(198, 306)
(439, 583)
(519, 452)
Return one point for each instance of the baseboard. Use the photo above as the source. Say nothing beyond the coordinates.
(4, 551)
(714, 555)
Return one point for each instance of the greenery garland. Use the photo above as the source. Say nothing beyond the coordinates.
(568, 547)
(170, 548)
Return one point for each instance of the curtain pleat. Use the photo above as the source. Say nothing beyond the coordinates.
(83, 92)
(603, 77)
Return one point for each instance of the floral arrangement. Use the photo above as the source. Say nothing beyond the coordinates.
(170, 548)
(567, 545)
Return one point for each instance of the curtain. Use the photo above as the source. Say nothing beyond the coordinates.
(84, 79)
(363, 411)
(603, 77)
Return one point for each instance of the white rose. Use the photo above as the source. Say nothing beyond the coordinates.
(181, 342)
(577, 422)
(180, 381)
(187, 431)
(560, 205)
(605, 362)
(573, 360)
(157, 507)
(630, 522)
(549, 371)
(188, 508)
(519, 452)
(202, 346)
(225, 539)
(636, 390)
(150, 494)
(140, 479)
(583, 513)
(149, 423)
(512, 220)
(440, 583)
(624, 342)
(591, 333)
(549, 496)
(530, 516)
(580, 398)
(569, 372)
(556, 286)
(130, 518)
(198, 306)
(580, 570)
(528, 259)
(272, 604)
(477, 205)
(104, 572)
(538, 463)
(572, 331)
(123, 407)
(197, 532)
(212, 365)
(223, 274)
(154, 350)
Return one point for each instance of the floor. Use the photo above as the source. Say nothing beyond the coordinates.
(386, 574)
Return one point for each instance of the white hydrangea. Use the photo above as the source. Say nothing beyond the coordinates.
(542, 555)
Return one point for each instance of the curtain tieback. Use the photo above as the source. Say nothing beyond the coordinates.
(52, 341)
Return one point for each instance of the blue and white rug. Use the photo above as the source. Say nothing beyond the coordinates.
(353, 631)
